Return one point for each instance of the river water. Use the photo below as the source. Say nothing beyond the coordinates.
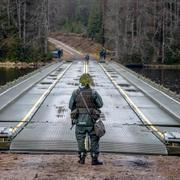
(169, 78)
(10, 74)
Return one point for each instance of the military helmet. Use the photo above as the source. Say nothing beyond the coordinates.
(86, 79)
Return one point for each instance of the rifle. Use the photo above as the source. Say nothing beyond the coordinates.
(72, 124)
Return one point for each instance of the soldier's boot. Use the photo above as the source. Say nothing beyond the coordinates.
(95, 160)
(82, 157)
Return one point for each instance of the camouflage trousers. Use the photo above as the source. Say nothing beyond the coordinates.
(80, 137)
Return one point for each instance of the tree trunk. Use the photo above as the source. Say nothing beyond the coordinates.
(8, 12)
(46, 25)
(18, 3)
(24, 24)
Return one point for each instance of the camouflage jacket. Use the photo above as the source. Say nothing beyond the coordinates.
(84, 119)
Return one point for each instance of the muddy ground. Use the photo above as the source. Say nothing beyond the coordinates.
(79, 42)
(65, 167)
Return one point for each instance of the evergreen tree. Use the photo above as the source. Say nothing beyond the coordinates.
(95, 22)
(23, 30)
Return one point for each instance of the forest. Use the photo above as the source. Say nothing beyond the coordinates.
(23, 30)
(136, 31)
(145, 31)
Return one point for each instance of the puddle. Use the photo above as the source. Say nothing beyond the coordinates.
(140, 163)
(60, 116)
(134, 163)
(61, 111)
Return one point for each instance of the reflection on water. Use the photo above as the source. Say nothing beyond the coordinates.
(169, 78)
(10, 74)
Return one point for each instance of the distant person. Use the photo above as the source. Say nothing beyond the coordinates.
(83, 119)
(87, 58)
(60, 53)
(102, 54)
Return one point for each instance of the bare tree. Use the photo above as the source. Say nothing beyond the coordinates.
(145, 29)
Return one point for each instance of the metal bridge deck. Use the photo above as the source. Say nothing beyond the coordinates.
(49, 126)
(14, 92)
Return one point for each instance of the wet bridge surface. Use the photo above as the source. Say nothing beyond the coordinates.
(35, 112)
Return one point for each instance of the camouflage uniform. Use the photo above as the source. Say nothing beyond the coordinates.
(102, 54)
(84, 122)
(87, 58)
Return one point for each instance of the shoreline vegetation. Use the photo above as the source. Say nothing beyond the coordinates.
(24, 64)
(81, 43)
(162, 66)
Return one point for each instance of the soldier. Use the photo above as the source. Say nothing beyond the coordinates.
(102, 54)
(84, 122)
(87, 58)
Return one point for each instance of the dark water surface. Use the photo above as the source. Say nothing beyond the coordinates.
(169, 78)
(10, 74)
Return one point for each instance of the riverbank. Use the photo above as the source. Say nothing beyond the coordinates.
(9, 64)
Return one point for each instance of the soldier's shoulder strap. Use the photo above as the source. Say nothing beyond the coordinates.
(77, 92)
